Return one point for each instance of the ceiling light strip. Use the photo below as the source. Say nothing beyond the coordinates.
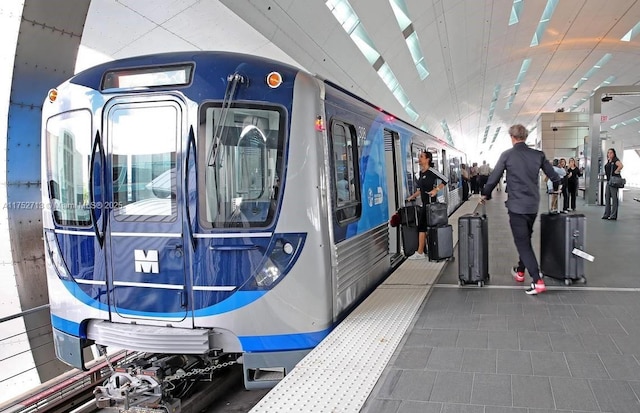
(410, 36)
(544, 21)
(516, 86)
(516, 8)
(350, 22)
(631, 33)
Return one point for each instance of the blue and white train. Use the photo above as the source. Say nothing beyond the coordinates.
(210, 203)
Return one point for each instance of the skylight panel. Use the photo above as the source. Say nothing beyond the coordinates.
(631, 33)
(606, 82)
(516, 86)
(495, 135)
(544, 21)
(626, 123)
(516, 8)
(350, 22)
(603, 61)
(410, 36)
(447, 132)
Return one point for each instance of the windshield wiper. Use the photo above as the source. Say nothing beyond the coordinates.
(232, 84)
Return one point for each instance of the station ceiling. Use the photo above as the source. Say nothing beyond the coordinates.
(464, 70)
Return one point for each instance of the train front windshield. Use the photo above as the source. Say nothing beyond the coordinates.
(241, 165)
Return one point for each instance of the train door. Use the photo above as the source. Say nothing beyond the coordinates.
(144, 235)
(393, 164)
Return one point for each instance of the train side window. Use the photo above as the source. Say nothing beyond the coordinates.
(345, 172)
(68, 149)
(413, 168)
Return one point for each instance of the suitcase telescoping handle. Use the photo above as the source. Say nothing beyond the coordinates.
(484, 209)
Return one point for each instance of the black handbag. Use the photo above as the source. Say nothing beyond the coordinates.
(617, 181)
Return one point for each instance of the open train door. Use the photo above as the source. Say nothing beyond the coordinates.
(143, 236)
(393, 164)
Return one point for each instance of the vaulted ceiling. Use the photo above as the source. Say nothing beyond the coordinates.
(490, 63)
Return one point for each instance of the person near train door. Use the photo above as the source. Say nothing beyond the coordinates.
(611, 168)
(428, 185)
(523, 165)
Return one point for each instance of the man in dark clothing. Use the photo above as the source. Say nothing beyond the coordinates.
(523, 165)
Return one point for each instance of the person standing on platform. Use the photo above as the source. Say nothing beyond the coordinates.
(483, 174)
(523, 166)
(464, 172)
(573, 173)
(611, 168)
(473, 173)
(428, 187)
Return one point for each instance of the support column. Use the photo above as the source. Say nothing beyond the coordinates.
(45, 55)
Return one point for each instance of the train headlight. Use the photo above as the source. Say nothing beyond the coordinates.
(55, 256)
(268, 274)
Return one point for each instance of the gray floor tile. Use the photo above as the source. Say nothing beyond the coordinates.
(452, 387)
(570, 298)
(631, 326)
(587, 310)
(549, 324)
(441, 338)
(573, 394)
(607, 326)
(479, 360)
(492, 389)
(436, 321)
(462, 408)
(534, 341)
(484, 307)
(410, 385)
(615, 311)
(561, 310)
(503, 340)
(615, 396)
(510, 309)
(578, 325)
(516, 323)
(598, 343)
(635, 385)
(586, 365)
(564, 342)
(383, 406)
(445, 358)
(472, 339)
(504, 409)
(417, 338)
(514, 362)
(628, 344)
(419, 407)
(549, 364)
(493, 323)
(621, 367)
(532, 391)
(411, 358)
(465, 322)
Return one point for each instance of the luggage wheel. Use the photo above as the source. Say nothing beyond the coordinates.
(582, 280)
(460, 283)
(480, 283)
(567, 281)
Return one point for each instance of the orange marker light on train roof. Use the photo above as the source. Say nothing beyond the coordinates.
(274, 79)
(53, 95)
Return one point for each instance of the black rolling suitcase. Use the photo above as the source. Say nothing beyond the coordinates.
(473, 248)
(437, 214)
(440, 242)
(409, 240)
(560, 234)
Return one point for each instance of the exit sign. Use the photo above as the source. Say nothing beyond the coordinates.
(604, 118)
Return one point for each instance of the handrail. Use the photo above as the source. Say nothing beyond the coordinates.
(24, 313)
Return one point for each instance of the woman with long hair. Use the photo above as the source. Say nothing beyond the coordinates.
(611, 168)
(573, 173)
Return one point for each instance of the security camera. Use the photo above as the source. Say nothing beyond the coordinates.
(607, 98)
(555, 129)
